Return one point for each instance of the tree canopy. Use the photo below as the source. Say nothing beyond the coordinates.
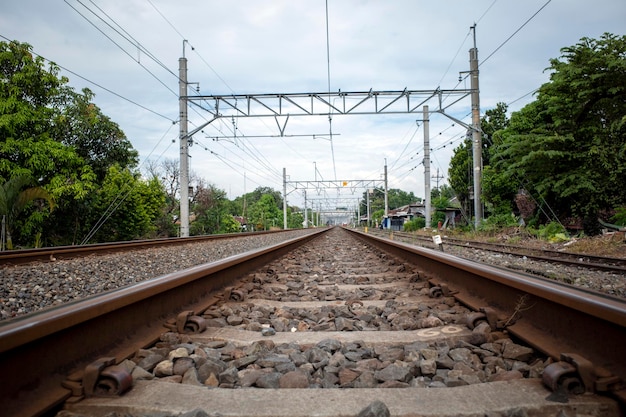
(62, 142)
(568, 147)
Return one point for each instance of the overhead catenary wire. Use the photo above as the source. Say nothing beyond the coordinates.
(117, 44)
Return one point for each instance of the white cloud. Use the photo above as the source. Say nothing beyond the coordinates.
(280, 47)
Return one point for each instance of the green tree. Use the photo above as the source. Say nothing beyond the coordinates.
(209, 206)
(30, 98)
(460, 170)
(265, 213)
(569, 146)
(295, 218)
(15, 198)
(81, 125)
(124, 207)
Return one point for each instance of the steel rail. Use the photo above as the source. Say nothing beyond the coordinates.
(566, 258)
(13, 257)
(552, 317)
(38, 351)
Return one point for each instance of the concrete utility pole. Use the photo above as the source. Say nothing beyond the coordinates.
(386, 191)
(426, 167)
(306, 214)
(437, 178)
(477, 146)
(285, 198)
(184, 145)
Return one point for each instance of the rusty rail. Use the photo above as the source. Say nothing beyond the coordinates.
(552, 317)
(38, 351)
(66, 252)
(547, 255)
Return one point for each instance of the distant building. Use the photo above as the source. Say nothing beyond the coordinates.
(396, 218)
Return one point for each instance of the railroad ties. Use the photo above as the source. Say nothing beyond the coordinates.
(337, 328)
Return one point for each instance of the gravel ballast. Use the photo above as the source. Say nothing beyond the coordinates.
(28, 288)
(31, 287)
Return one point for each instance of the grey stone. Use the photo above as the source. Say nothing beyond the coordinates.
(268, 331)
(391, 354)
(329, 345)
(517, 352)
(460, 355)
(298, 358)
(211, 367)
(269, 380)
(428, 367)
(285, 367)
(248, 377)
(244, 361)
(317, 355)
(181, 365)
(343, 324)
(365, 380)
(140, 373)
(294, 379)
(191, 377)
(229, 376)
(234, 320)
(375, 409)
(393, 372)
(149, 362)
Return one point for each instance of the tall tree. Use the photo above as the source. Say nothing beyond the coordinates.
(569, 146)
(124, 207)
(265, 213)
(81, 125)
(460, 170)
(30, 97)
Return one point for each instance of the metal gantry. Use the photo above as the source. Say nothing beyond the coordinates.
(369, 102)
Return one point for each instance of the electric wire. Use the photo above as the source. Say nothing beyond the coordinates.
(516, 32)
(117, 44)
(330, 117)
(108, 90)
(119, 198)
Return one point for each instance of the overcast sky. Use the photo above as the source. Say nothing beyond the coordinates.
(281, 46)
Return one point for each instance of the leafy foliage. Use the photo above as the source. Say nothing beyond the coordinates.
(265, 213)
(15, 198)
(568, 148)
(417, 223)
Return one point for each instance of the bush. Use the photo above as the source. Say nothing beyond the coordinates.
(416, 224)
(498, 221)
(552, 232)
(620, 216)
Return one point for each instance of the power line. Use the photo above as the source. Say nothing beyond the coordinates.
(515, 33)
(117, 44)
(99, 86)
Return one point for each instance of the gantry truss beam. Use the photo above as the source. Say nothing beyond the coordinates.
(350, 185)
(324, 104)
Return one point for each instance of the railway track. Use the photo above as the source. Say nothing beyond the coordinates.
(21, 256)
(339, 317)
(586, 261)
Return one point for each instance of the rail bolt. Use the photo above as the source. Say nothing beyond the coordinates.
(104, 378)
(474, 318)
(187, 322)
(563, 376)
(435, 292)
